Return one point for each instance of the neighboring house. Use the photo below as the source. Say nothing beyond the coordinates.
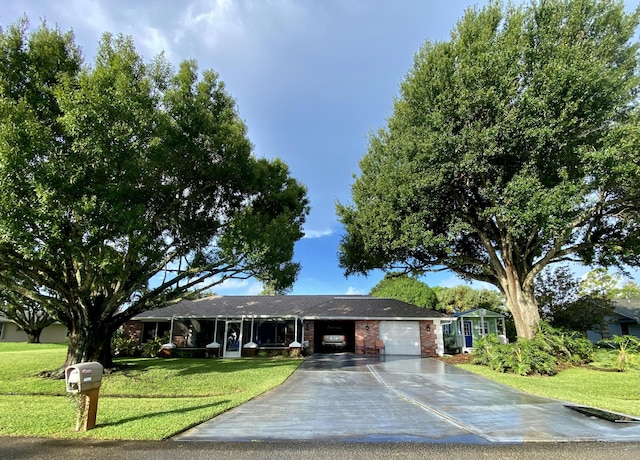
(11, 332)
(625, 321)
(237, 326)
(468, 326)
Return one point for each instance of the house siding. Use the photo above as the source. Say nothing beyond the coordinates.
(369, 332)
(428, 347)
(56, 333)
(309, 335)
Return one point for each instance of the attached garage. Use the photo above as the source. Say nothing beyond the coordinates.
(346, 328)
(401, 337)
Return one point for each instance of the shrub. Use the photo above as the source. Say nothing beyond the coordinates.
(152, 348)
(524, 357)
(624, 351)
(485, 350)
(567, 346)
(541, 356)
(122, 346)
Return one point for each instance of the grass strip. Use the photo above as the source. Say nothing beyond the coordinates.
(146, 399)
(612, 391)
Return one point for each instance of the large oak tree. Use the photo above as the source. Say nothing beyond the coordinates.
(511, 146)
(123, 184)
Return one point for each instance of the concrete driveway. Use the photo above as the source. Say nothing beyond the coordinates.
(396, 399)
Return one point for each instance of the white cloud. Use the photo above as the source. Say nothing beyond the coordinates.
(255, 288)
(215, 20)
(238, 287)
(309, 234)
(231, 284)
(155, 42)
(90, 13)
(355, 291)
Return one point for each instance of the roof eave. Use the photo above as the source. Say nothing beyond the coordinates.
(304, 318)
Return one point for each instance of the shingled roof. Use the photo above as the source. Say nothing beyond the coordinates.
(308, 307)
(629, 309)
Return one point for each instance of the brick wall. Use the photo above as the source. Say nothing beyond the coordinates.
(309, 334)
(133, 329)
(369, 332)
(427, 339)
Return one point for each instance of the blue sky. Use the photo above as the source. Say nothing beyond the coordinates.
(311, 78)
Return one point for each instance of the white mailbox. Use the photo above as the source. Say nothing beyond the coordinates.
(83, 377)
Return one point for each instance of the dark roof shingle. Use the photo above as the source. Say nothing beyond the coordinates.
(304, 306)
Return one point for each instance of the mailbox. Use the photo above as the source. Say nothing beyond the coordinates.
(83, 377)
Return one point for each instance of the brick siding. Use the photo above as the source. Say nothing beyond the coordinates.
(427, 339)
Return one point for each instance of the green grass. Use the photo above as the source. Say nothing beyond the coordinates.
(613, 391)
(149, 399)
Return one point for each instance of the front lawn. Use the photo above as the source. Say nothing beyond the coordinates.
(148, 399)
(613, 391)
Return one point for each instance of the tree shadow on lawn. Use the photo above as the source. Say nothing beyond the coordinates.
(193, 366)
(182, 410)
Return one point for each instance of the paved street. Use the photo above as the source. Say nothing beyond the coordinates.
(45, 449)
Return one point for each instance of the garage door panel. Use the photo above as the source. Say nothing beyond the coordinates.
(401, 337)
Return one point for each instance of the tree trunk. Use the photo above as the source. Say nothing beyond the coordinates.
(522, 304)
(90, 345)
(33, 336)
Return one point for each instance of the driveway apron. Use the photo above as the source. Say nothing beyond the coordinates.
(345, 397)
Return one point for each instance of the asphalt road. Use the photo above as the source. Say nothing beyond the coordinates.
(48, 449)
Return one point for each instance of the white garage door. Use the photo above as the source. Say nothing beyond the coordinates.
(401, 337)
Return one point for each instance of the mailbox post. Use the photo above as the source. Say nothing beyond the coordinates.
(85, 379)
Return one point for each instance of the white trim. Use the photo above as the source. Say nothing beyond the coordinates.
(232, 353)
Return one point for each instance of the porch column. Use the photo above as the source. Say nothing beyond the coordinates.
(295, 347)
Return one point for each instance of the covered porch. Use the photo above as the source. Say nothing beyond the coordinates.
(468, 326)
(228, 336)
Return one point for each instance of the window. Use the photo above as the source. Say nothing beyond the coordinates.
(446, 329)
(1, 331)
(484, 328)
(151, 331)
(467, 328)
(274, 332)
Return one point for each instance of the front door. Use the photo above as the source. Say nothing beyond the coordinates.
(468, 335)
(233, 339)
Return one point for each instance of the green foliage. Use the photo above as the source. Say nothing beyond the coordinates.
(603, 284)
(563, 304)
(124, 346)
(127, 184)
(405, 288)
(543, 355)
(511, 146)
(153, 347)
(464, 298)
(567, 346)
(484, 349)
(623, 352)
(613, 391)
(145, 399)
(524, 357)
